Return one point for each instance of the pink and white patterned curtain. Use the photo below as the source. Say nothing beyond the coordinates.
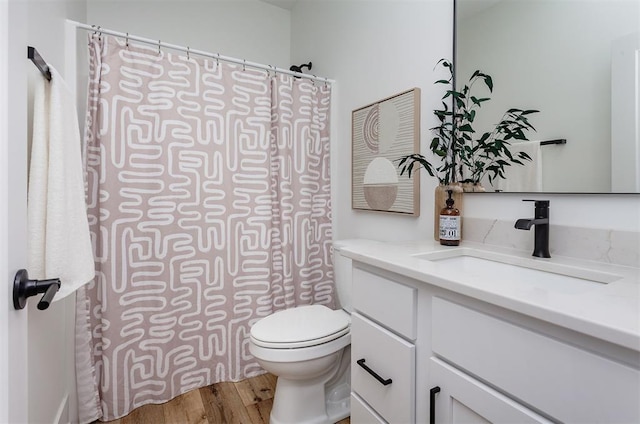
(209, 207)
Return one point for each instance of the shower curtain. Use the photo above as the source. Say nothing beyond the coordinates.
(209, 207)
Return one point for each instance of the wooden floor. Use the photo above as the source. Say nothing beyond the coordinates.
(246, 402)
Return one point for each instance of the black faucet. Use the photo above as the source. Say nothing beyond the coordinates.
(541, 221)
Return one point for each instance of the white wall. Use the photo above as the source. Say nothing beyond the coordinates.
(14, 367)
(245, 29)
(5, 270)
(373, 49)
(377, 48)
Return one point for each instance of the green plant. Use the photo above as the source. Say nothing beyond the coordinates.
(441, 144)
(465, 158)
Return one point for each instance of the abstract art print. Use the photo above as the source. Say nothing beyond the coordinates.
(382, 133)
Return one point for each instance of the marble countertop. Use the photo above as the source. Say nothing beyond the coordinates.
(609, 312)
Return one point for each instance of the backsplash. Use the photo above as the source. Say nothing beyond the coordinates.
(611, 246)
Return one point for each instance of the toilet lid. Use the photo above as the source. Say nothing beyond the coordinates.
(300, 327)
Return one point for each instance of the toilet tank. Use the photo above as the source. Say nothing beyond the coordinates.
(343, 277)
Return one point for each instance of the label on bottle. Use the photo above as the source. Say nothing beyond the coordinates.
(449, 227)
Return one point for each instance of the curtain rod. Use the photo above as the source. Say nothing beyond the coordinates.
(189, 50)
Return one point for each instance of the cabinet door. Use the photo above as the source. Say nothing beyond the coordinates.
(463, 399)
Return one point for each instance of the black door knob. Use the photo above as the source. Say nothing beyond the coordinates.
(24, 288)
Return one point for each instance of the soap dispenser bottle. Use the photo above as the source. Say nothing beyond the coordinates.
(450, 222)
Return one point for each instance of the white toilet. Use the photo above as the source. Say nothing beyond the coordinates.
(308, 348)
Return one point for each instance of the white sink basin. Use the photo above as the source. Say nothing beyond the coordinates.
(496, 266)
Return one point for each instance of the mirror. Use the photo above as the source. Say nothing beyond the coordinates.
(577, 62)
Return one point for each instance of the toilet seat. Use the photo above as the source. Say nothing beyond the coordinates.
(300, 327)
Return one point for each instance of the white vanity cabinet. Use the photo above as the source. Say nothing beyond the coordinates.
(486, 363)
(383, 327)
(562, 381)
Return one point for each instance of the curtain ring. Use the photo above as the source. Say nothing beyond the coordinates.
(127, 40)
(188, 57)
(217, 59)
(159, 44)
(244, 65)
(99, 33)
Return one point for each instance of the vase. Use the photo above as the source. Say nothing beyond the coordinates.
(440, 199)
(473, 188)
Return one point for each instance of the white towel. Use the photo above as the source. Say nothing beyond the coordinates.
(523, 178)
(59, 245)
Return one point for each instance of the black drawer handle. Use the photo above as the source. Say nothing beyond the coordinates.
(432, 402)
(373, 373)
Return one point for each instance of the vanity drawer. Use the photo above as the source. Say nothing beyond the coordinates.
(390, 357)
(579, 386)
(361, 413)
(387, 302)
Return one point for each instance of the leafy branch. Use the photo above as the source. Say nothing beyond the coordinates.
(464, 156)
(442, 142)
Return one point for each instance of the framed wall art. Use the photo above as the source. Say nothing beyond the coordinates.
(382, 133)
